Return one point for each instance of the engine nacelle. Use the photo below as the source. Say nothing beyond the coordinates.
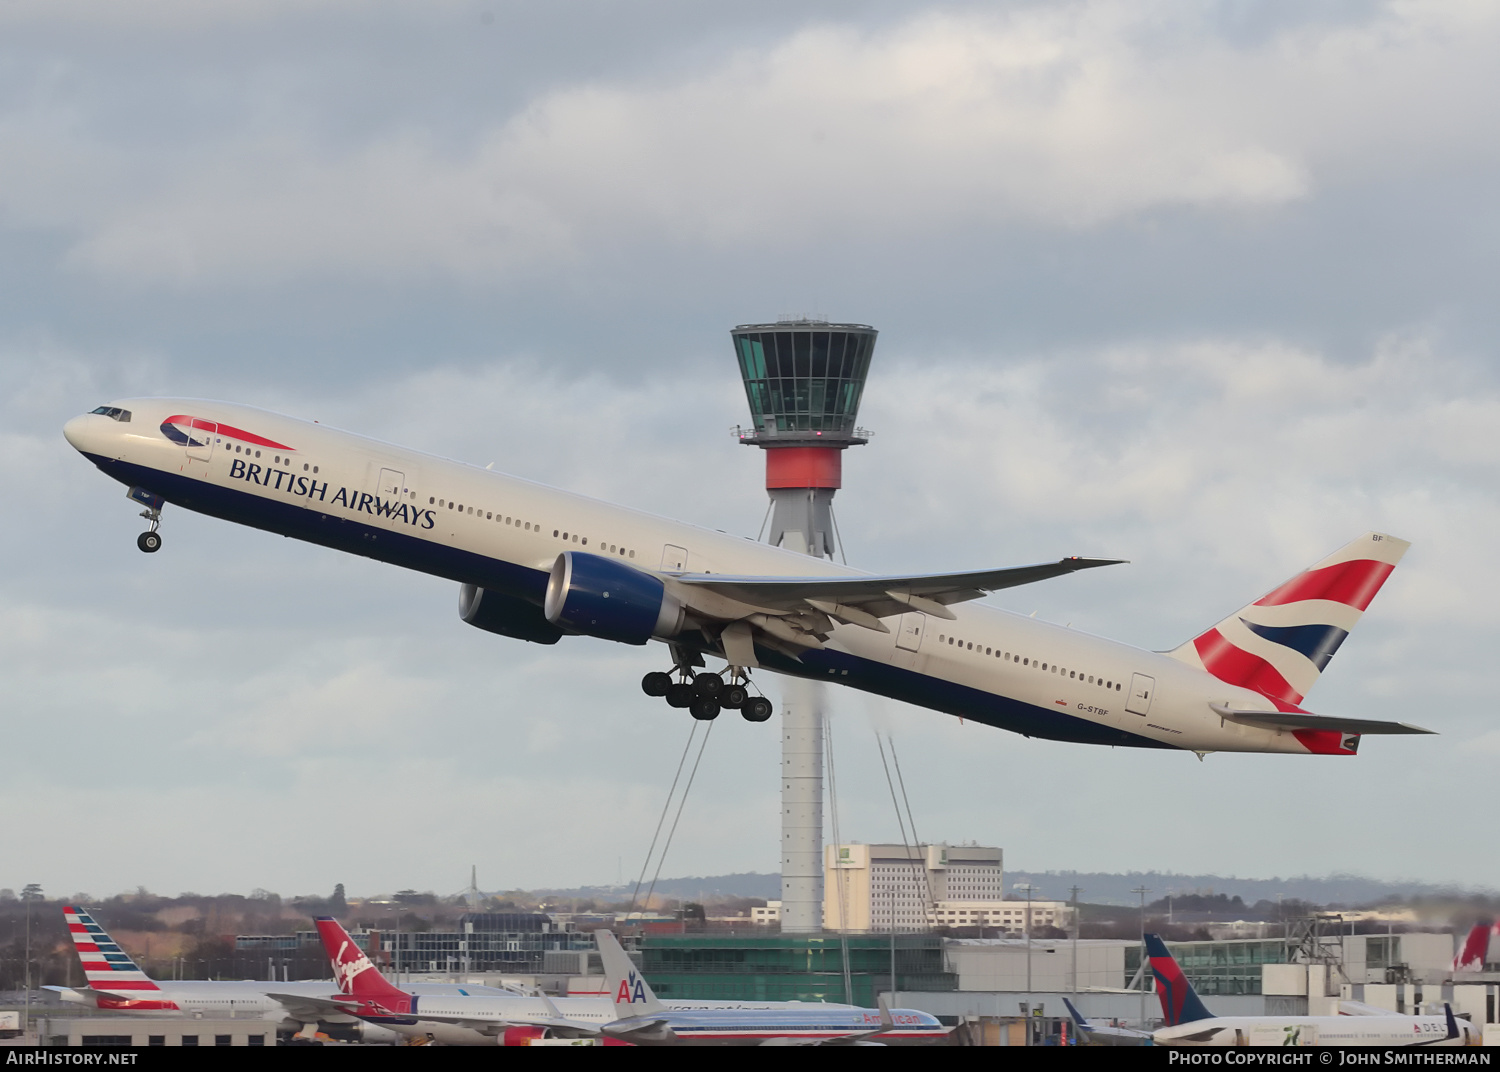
(496, 612)
(599, 597)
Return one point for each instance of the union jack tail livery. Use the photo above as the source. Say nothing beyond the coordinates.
(1279, 644)
(105, 964)
(354, 973)
(1476, 949)
(1179, 1001)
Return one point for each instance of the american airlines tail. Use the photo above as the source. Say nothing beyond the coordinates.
(627, 985)
(1180, 1003)
(354, 973)
(105, 965)
(114, 980)
(1280, 644)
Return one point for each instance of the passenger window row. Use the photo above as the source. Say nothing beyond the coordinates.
(527, 526)
(251, 452)
(1026, 660)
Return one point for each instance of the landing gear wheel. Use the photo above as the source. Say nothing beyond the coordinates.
(149, 542)
(680, 696)
(708, 686)
(734, 696)
(656, 683)
(756, 709)
(704, 710)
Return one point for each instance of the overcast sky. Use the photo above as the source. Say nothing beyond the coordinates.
(1208, 287)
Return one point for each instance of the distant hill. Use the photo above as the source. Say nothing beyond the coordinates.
(692, 888)
(1100, 887)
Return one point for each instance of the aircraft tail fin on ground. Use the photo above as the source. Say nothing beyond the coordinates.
(356, 976)
(1476, 948)
(1279, 644)
(105, 965)
(627, 985)
(1079, 1023)
(1179, 1001)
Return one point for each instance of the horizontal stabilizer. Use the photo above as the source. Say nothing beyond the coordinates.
(1297, 720)
(309, 1009)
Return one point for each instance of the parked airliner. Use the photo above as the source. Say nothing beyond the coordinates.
(117, 984)
(538, 564)
(1187, 1022)
(630, 1014)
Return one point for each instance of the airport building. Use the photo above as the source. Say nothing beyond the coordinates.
(876, 889)
(506, 943)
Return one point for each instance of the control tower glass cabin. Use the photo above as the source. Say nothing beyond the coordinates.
(804, 380)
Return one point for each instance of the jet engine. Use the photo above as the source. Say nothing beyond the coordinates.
(496, 612)
(600, 597)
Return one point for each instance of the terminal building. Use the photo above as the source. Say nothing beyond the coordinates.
(878, 889)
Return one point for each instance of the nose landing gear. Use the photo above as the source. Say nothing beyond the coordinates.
(705, 695)
(150, 540)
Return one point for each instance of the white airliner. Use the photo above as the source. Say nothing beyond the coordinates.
(538, 564)
(1189, 1023)
(632, 1014)
(117, 984)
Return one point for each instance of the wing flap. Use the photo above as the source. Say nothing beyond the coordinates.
(1298, 720)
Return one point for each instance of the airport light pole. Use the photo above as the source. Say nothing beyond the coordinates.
(29, 893)
(1145, 970)
(1077, 923)
(1030, 889)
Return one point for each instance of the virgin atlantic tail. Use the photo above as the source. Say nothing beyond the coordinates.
(1475, 953)
(1179, 1001)
(354, 973)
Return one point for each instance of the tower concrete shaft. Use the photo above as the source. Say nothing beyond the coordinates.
(804, 380)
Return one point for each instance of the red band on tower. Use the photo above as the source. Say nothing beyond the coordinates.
(804, 467)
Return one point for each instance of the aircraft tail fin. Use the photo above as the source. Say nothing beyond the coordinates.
(105, 965)
(356, 976)
(1180, 1003)
(627, 985)
(1079, 1023)
(1281, 643)
(1476, 948)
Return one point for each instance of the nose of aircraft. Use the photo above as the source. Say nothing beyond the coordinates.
(75, 431)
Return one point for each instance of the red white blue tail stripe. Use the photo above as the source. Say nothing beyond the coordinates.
(105, 965)
(1281, 643)
(122, 985)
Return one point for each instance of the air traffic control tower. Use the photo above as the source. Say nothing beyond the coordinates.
(804, 379)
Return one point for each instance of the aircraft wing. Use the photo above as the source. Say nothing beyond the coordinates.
(882, 596)
(1298, 720)
(793, 614)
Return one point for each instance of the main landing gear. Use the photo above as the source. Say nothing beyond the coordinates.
(706, 694)
(150, 540)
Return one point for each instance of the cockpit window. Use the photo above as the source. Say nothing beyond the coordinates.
(113, 412)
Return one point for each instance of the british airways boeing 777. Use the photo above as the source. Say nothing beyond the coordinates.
(538, 564)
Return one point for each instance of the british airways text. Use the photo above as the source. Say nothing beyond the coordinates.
(291, 483)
